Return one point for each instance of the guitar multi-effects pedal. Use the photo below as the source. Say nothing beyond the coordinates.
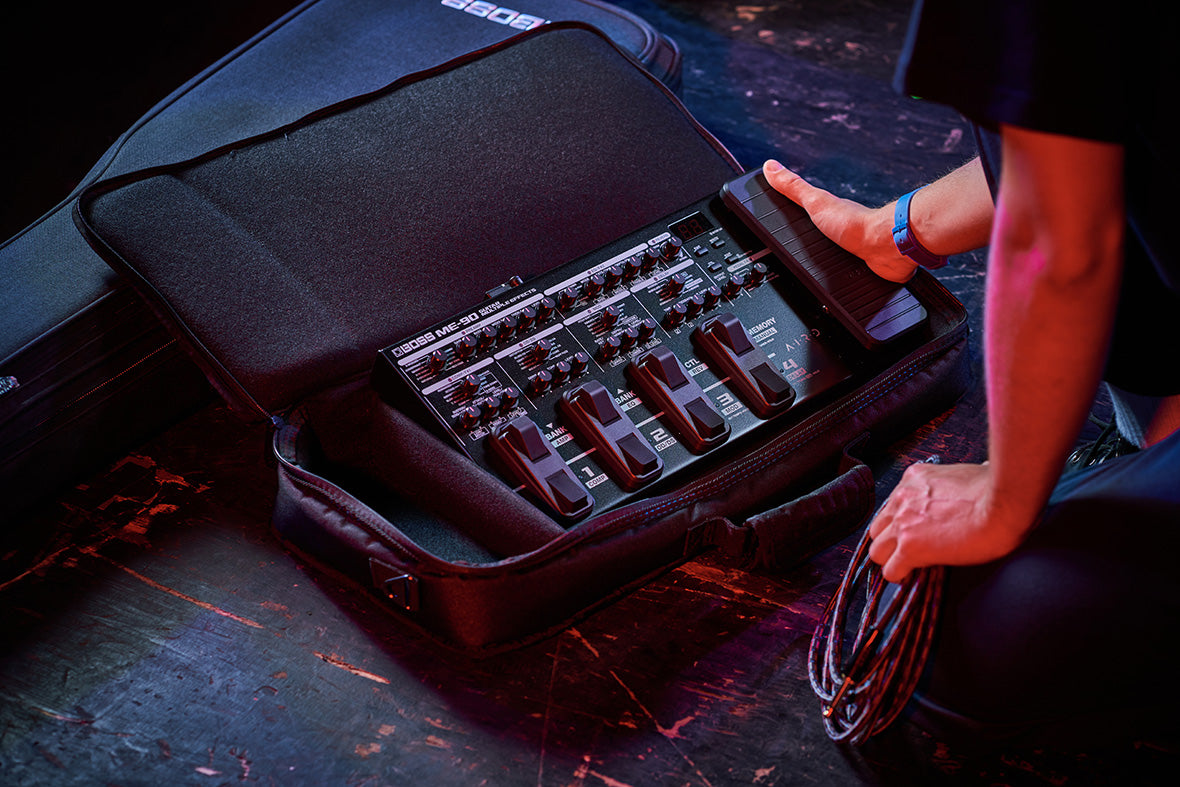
(610, 377)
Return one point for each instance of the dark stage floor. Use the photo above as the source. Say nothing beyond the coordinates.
(162, 636)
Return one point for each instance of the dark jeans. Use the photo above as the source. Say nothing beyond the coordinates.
(1076, 629)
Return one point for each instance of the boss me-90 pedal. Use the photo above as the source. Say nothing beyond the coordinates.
(613, 376)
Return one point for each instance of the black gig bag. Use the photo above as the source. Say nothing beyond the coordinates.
(86, 372)
(288, 261)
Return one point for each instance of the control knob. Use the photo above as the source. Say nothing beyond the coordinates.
(470, 416)
(674, 285)
(733, 285)
(647, 329)
(436, 360)
(609, 348)
(593, 285)
(489, 408)
(508, 398)
(758, 273)
(506, 328)
(579, 362)
(465, 346)
(525, 317)
(648, 259)
(540, 351)
(675, 314)
(629, 337)
(486, 337)
(539, 383)
(567, 297)
(613, 275)
(469, 385)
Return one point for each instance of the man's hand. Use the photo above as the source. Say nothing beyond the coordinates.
(864, 232)
(944, 515)
(952, 215)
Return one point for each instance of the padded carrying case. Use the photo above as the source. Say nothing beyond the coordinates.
(86, 371)
(287, 261)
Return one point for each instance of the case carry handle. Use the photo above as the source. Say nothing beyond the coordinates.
(795, 531)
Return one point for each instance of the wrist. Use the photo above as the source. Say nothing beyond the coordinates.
(1012, 511)
(879, 251)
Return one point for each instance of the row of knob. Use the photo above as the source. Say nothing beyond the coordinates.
(728, 288)
(484, 410)
(544, 380)
(541, 381)
(489, 335)
(632, 336)
(677, 313)
(702, 301)
(537, 314)
(533, 315)
(606, 280)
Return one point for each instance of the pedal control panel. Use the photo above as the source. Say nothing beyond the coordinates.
(618, 374)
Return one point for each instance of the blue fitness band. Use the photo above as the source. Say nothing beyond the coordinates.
(906, 243)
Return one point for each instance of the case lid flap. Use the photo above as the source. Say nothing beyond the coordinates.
(289, 259)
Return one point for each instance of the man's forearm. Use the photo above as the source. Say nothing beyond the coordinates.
(953, 214)
(1053, 281)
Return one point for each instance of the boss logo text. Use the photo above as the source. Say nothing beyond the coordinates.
(497, 14)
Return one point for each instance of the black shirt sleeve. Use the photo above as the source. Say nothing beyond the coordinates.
(1046, 65)
(1100, 71)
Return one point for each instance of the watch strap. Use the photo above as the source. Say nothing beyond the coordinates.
(904, 238)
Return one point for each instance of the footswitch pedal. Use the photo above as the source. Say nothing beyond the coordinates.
(725, 342)
(684, 404)
(535, 461)
(620, 373)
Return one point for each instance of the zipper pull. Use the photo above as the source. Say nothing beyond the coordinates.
(277, 425)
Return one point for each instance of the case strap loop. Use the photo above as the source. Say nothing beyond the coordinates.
(398, 586)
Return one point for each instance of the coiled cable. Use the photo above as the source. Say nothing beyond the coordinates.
(864, 692)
